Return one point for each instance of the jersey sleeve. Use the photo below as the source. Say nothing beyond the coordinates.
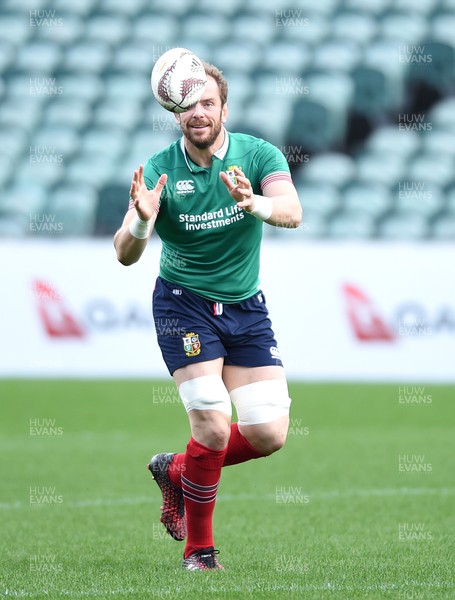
(271, 165)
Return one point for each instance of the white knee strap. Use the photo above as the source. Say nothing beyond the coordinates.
(206, 393)
(261, 402)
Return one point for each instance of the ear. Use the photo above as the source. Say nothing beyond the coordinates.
(224, 113)
(177, 117)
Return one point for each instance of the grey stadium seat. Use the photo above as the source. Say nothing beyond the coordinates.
(87, 56)
(374, 7)
(404, 28)
(381, 167)
(419, 197)
(313, 226)
(93, 169)
(439, 141)
(102, 140)
(444, 229)
(70, 32)
(443, 27)
(74, 206)
(81, 8)
(402, 226)
(390, 139)
(112, 29)
(367, 198)
(21, 112)
(317, 30)
(133, 57)
(288, 55)
(6, 168)
(24, 199)
(7, 54)
(442, 115)
(14, 140)
(15, 28)
(173, 7)
(40, 88)
(225, 8)
(379, 80)
(122, 112)
(47, 173)
(86, 86)
(42, 56)
(318, 198)
(18, 210)
(13, 226)
(358, 27)
(244, 55)
(240, 88)
(336, 55)
(58, 139)
(198, 46)
(450, 201)
(73, 112)
(112, 206)
(331, 167)
(258, 116)
(257, 27)
(423, 7)
(129, 9)
(320, 117)
(157, 29)
(436, 66)
(351, 225)
(432, 167)
(127, 85)
(324, 7)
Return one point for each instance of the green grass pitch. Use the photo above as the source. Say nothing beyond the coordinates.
(359, 504)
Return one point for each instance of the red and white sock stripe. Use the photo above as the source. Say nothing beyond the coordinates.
(199, 493)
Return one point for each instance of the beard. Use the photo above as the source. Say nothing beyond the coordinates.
(202, 143)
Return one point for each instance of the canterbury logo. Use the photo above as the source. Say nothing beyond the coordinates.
(185, 186)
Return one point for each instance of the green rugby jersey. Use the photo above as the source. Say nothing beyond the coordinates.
(209, 245)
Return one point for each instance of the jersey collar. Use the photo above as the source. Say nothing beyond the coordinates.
(220, 153)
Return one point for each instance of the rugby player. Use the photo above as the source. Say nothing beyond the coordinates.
(207, 196)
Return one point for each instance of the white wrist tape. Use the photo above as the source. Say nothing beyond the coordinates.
(140, 229)
(263, 208)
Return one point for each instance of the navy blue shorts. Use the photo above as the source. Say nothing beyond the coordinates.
(193, 329)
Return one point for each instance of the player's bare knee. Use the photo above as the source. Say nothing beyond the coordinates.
(217, 439)
(210, 428)
(268, 437)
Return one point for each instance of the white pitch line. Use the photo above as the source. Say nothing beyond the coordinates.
(327, 495)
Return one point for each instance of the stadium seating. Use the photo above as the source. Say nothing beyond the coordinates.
(329, 80)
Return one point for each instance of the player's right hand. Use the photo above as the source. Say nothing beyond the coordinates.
(146, 202)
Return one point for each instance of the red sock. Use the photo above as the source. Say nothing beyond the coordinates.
(176, 468)
(200, 478)
(239, 450)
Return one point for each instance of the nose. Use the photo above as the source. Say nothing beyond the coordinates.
(197, 110)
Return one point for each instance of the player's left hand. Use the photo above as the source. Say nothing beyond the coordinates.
(242, 192)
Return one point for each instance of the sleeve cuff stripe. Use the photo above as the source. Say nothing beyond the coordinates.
(277, 176)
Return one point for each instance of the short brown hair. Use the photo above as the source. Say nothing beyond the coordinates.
(217, 75)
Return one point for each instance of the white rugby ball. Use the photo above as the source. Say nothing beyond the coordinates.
(178, 80)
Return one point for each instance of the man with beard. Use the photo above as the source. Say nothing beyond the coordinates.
(207, 195)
